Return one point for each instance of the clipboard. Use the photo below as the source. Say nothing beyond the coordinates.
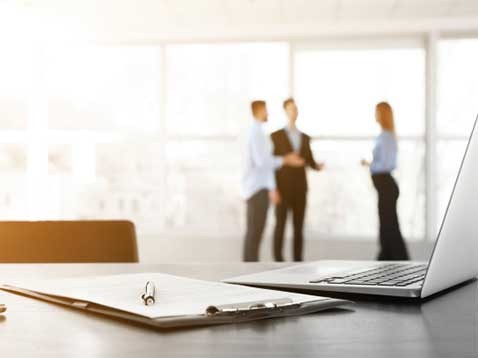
(98, 298)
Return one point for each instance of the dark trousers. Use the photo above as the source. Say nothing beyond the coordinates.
(392, 245)
(295, 203)
(256, 209)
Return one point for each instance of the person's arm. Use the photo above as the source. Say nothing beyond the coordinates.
(376, 164)
(309, 156)
(274, 195)
(365, 163)
(263, 158)
(261, 155)
(271, 181)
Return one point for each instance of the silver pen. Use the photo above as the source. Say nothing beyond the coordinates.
(149, 294)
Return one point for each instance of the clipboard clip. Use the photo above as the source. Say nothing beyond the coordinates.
(250, 307)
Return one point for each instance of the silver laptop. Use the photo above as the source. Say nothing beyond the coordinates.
(454, 258)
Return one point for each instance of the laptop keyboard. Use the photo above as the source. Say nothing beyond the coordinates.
(399, 275)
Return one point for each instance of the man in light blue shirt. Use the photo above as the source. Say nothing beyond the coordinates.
(258, 180)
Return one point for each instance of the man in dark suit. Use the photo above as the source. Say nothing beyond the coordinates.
(291, 182)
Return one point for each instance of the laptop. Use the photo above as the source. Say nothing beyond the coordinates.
(454, 258)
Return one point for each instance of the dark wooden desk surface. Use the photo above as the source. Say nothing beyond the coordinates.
(445, 326)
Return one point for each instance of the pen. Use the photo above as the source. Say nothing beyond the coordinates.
(148, 296)
(3, 308)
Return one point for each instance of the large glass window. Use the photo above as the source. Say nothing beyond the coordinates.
(100, 140)
(210, 87)
(103, 88)
(456, 111)
(457, 87)
(337, 91)
(113, 132)
(17, 89)
(16, 85)
(457, 108)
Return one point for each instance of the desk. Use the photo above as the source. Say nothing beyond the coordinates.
(443, 327)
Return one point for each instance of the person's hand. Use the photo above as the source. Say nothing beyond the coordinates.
(319, 166)
(274, 197)
(364, 163)
(293, 160)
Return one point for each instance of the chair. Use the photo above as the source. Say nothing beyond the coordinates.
(67, 241)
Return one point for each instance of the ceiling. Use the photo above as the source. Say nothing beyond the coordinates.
(235, 18)
(276, 11)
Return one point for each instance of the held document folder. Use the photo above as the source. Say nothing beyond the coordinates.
(180, 301)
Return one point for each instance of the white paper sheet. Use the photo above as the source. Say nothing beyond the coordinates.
(175, 296)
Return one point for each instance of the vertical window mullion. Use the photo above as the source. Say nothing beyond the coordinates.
(430, 136)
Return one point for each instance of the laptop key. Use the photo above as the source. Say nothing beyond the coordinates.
(338, 280)
(409, 282)
(375, 282)
(329, 279)
(322, 280)
(358, 282)
(386, 284)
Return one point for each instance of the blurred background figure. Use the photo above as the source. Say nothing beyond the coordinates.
(392, 245)
(292, 182)
(258, 181)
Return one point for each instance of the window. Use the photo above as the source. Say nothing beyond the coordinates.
(210, 87)
(111, 131)
(100, 138)
(17, 85)
(337, 91)
(456, 110)
(103, 88)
